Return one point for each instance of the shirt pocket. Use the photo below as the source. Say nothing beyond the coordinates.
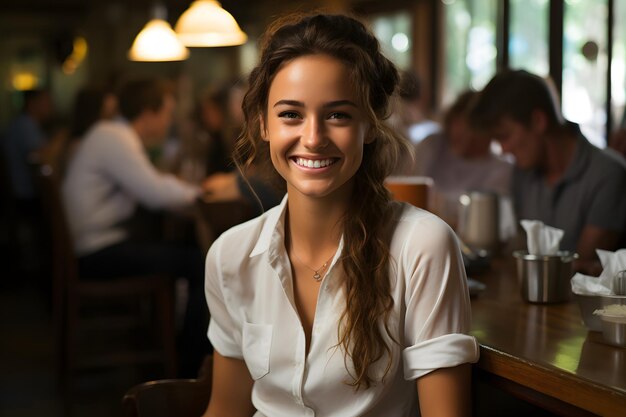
(257, 343)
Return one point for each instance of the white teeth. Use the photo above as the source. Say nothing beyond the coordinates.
(318, 163)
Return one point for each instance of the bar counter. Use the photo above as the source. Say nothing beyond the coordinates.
(543, 353)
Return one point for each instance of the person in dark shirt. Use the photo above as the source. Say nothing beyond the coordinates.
(559, 177)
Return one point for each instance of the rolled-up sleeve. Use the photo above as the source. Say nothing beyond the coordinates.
(224, 330)
(438, 311)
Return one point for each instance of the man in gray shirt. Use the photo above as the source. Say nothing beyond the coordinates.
(559, 177)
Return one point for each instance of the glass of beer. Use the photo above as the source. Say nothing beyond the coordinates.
(410, 189)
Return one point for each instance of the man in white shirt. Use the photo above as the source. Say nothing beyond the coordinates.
(108, 178)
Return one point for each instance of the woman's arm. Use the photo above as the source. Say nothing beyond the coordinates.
(231, 392)
(446, 392)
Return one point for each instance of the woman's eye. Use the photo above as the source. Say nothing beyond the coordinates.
(339, 115)
(288, 115)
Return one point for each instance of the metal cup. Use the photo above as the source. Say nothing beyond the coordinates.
(479, 220)
(545, 278)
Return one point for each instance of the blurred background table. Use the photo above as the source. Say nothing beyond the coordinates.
(544, 354)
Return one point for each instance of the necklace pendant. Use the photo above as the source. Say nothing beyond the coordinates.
(317, 276)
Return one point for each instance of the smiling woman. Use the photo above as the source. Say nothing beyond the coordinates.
(339, 299)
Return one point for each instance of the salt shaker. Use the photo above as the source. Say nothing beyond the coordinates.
(619, 283)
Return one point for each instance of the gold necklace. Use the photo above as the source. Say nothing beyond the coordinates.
(316, 272)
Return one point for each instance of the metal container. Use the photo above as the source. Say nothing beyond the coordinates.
(614, 331)
(545, 278)
(588, 304)
(478, 222)
(613, 321)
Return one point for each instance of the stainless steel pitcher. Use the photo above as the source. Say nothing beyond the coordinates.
(479, 220)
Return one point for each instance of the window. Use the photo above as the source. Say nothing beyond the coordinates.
(470, 45)
(394, 34)
(618, 65)
(528, 41)
(585, 61)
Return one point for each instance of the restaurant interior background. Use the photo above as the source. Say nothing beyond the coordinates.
(452, 44)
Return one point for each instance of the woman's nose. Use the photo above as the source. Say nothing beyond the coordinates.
(313, 136)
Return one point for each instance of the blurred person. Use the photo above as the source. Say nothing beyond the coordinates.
(91, 104)
(210, 117)
(410, 115)
(229, 184)
(460, 159)
(108, 178)
(559, 177)
(24, 135)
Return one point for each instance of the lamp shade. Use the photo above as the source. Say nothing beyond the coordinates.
(205, 23)
(157, 42)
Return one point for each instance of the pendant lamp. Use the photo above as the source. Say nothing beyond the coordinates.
(206, 24)
(157, 41)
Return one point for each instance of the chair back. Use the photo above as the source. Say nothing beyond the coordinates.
(63, 258)
(70, 294)
(61, 251)
(171, 397)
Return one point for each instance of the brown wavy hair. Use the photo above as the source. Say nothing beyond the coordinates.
(365, 256)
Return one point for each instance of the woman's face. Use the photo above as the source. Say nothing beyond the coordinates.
(315, 127)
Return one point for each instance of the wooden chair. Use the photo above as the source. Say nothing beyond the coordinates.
(70, 293)
(171, 397)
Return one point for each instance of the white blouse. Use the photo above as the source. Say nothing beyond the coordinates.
(253, 317)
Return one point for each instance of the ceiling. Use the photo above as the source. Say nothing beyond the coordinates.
(239, 8)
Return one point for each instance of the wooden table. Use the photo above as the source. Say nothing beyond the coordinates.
(544, 353)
